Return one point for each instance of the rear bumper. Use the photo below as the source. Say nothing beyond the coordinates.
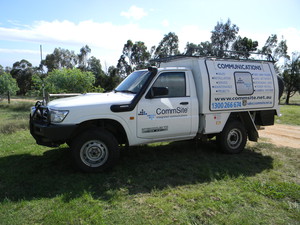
(51, 135)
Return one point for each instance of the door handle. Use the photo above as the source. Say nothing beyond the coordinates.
(184, 103)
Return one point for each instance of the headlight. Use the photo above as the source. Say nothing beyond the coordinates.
(57, 116)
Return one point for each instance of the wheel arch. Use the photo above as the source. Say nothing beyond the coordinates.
(112, 126)
(246, 119)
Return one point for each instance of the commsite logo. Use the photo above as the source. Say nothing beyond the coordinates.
(142, 113)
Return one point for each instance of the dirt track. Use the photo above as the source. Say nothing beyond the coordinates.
(22, 100)
(282, 135)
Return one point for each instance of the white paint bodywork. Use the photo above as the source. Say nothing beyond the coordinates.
(165, 119)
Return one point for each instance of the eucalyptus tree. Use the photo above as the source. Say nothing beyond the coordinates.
(140, 56)
(202, 49)
(291, 76)
(168, 46)
(60, 58)
(94, 66)
(243, 47)
(23, 71)
(223, 35)
(83, 57)
(135, 56)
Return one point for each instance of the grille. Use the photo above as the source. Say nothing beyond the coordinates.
(41, 114)
(45, 113)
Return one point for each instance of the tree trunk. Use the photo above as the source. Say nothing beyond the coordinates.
(287, 100)
(8, 97)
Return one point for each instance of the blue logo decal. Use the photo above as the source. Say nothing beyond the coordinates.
(151, 117)
(142, 113)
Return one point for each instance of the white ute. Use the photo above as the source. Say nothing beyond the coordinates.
(186, 97)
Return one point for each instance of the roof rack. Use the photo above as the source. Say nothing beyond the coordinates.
(269, 57)
(170, 58)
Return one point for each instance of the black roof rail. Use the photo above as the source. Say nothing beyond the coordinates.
(269, 57)
(170, 58)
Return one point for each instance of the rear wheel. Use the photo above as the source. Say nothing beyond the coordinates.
(233, 138)
(95, 150)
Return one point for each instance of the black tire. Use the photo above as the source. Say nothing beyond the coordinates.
(95, 150)
(233, 138)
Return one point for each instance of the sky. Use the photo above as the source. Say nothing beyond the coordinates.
(105, 26)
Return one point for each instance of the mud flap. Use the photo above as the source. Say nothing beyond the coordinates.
(249, 125)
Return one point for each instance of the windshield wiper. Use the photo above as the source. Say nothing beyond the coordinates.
(125, 91)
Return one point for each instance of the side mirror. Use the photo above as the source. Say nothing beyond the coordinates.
(158, 92)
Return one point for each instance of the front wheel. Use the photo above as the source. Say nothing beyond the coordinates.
(233, 138)
(95, 150)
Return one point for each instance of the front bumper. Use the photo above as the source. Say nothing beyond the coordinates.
(51, 135)
(47, 134)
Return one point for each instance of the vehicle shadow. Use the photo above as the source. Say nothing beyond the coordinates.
(140, 170)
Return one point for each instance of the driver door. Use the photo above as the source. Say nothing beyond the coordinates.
(165, 111)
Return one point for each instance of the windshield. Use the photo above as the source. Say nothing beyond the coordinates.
(134, 82)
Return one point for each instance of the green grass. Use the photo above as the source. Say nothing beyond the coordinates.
(14, 116)
(290, 115)
(178, 183)
(164, 183)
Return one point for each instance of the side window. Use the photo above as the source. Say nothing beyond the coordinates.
(174, 81)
